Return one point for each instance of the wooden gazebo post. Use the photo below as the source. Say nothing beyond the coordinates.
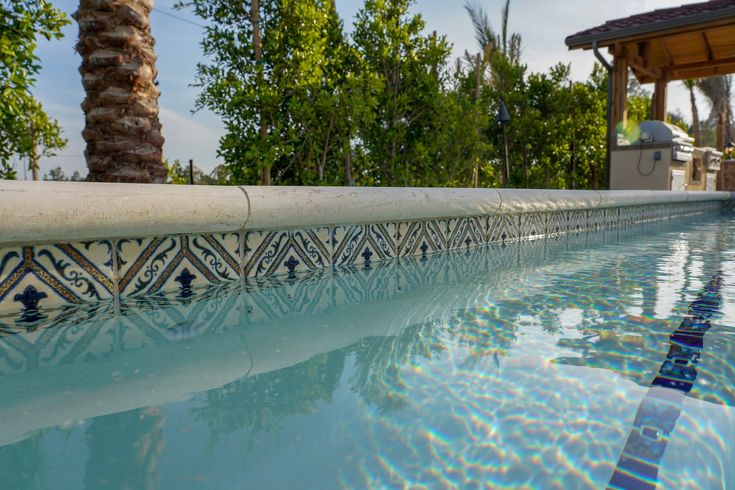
(619, 90)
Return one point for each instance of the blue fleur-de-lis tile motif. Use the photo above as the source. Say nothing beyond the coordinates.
(30, 297)
(577, 220)
(611, 217)
(185, 278)
(59, 274)
(556, 222)
(419, 238)
(531, 225)
(349, 243)
(502, 228)
(596, 219)
(151, 265)
(463, 233)
(269, 253)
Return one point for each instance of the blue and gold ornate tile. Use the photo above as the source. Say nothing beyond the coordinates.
(363, 244)
(269, 253)
(176, 263)
(556, 223)
(577, 220)
(502, 228)
(42, 276)
(611, 218)
(596, 219)
(419, 238)
(464, 233)
(532, 225)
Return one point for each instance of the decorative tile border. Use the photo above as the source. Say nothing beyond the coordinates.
(35, 278)
(99, 329)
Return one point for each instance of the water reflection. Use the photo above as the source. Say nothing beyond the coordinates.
(124, 449)
(492, 343)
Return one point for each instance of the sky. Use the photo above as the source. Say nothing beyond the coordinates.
(543, 25)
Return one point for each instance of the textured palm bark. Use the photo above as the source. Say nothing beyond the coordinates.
(122, 130)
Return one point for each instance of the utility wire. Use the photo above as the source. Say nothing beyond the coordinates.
(169, 14)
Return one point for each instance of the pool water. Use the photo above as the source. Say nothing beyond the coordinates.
(584, 361)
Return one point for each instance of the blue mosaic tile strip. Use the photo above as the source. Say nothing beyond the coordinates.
(36, 278)
(659, 410)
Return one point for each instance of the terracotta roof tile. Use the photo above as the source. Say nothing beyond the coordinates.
(653, 17)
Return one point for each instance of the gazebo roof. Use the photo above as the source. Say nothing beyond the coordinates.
(692, 41)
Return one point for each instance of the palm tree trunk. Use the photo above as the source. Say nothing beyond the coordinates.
(695, 116)
(122, 130)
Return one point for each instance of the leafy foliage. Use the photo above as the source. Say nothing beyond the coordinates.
(24, 125)
(57, 174)
(385, 106)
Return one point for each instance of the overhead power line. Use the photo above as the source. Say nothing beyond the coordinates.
(174, 16)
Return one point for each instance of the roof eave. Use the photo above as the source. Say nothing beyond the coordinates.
(604, 38)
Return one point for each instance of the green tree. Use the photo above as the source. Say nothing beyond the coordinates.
(278, 79)
(57, 174)
(401, 138)
(26, 131)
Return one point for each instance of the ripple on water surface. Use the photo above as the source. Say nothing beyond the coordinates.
(519, 366)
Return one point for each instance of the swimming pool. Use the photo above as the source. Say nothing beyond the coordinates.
(544, 364)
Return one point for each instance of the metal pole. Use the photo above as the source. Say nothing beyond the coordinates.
(507, 163)
(191, 171)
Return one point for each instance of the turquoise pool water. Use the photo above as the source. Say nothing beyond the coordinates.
(562, 363)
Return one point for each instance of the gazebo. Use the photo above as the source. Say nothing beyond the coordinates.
(692, 41)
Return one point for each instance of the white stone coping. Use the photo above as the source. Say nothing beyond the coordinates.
(38, 212)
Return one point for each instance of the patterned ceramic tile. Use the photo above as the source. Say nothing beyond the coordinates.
(50, 275)
(463, 233)
(502, 228)
(596, 219)
(627, 215)
(419, 238)
(532, 225)
(363, 244)
(577, 220)
(269, 253)
(611, 218)
(176, 263)
(556, 222)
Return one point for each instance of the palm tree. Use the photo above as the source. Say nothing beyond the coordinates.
(122, 131)
(718, 91)
(488, 40)
(497, 53)
(690, 85)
